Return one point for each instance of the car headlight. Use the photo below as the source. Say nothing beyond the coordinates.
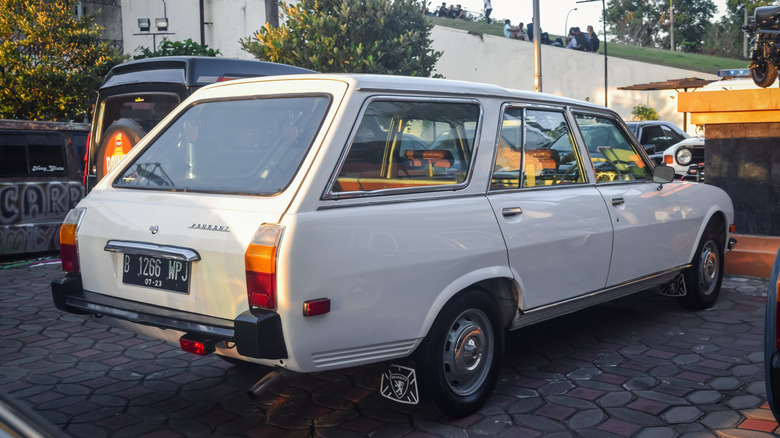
(683, 156)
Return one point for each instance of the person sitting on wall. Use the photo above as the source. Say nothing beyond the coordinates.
(459, 13)
(594, 39)
(442, 13)
(578, 41)
(515, 33)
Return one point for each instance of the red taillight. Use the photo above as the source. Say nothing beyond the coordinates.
(261, 289)
(201, 347)
(69, 249)
(260, 264)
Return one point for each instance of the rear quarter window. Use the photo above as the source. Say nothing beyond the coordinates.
(417, 145)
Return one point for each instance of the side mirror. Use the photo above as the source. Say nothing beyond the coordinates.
(663, 174)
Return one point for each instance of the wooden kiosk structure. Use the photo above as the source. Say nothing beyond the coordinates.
(742, 156)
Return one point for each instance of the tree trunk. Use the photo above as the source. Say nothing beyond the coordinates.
(272, 13)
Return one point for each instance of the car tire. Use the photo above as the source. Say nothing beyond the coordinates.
(456, 381)
(705, 275)
(130, 131)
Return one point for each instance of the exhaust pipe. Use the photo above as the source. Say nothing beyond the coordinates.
(272, 378)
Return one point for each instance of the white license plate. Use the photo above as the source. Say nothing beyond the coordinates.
(156, 272)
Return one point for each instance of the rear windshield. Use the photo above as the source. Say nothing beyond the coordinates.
(240, 146)
(147, 109)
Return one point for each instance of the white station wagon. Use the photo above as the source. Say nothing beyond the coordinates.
(316, 222)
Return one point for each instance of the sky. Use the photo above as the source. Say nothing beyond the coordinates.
(553, 12)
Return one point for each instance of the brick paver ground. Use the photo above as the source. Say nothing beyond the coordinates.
(641, 367)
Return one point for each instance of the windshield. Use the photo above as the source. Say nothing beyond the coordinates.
(240, 146)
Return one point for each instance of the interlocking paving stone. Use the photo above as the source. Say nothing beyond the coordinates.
(744, 402)
(682, 414)
(618, 369)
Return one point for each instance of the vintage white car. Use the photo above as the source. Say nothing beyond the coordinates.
(316, 222)
(681, 156)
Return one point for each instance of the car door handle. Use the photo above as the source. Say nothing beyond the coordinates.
(618, 201)
(511, 211)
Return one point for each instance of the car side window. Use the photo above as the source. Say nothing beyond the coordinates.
(407, 144)
(672, 135)
(31, 154)
(613, 156)
(655, 138)
(536, 148)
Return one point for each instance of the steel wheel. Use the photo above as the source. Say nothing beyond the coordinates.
(708, 268)
(468, 352)
(459, 360)
(704, 277)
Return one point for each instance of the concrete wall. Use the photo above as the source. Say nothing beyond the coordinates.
(489, 59)
(579, 75)
(227, 22)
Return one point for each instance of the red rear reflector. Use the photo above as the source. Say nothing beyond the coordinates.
(732, 228)
(199, 347)
(316, 307)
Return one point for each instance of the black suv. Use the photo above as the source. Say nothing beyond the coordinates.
(137, 95)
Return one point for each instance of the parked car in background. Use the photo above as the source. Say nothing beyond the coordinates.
(681, 156)
(41, 165)
(137, 95)
(317, 222)
(656, 135)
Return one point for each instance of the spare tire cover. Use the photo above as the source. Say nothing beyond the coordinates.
(117, 141)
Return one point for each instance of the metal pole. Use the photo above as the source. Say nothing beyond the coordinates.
(537, 49)
(606, 72)
(566, 23)
(671, 26)
(202, 25)
(604, 22)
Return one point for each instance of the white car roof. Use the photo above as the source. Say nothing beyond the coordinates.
(402, 84)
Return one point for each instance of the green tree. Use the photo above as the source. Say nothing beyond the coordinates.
(692, 20)
(177, 48)
(51, 63)
(642, 112)
(357, 36)
(635, 22)
(647, 22)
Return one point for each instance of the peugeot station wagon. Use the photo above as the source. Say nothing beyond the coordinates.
(316, 222)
